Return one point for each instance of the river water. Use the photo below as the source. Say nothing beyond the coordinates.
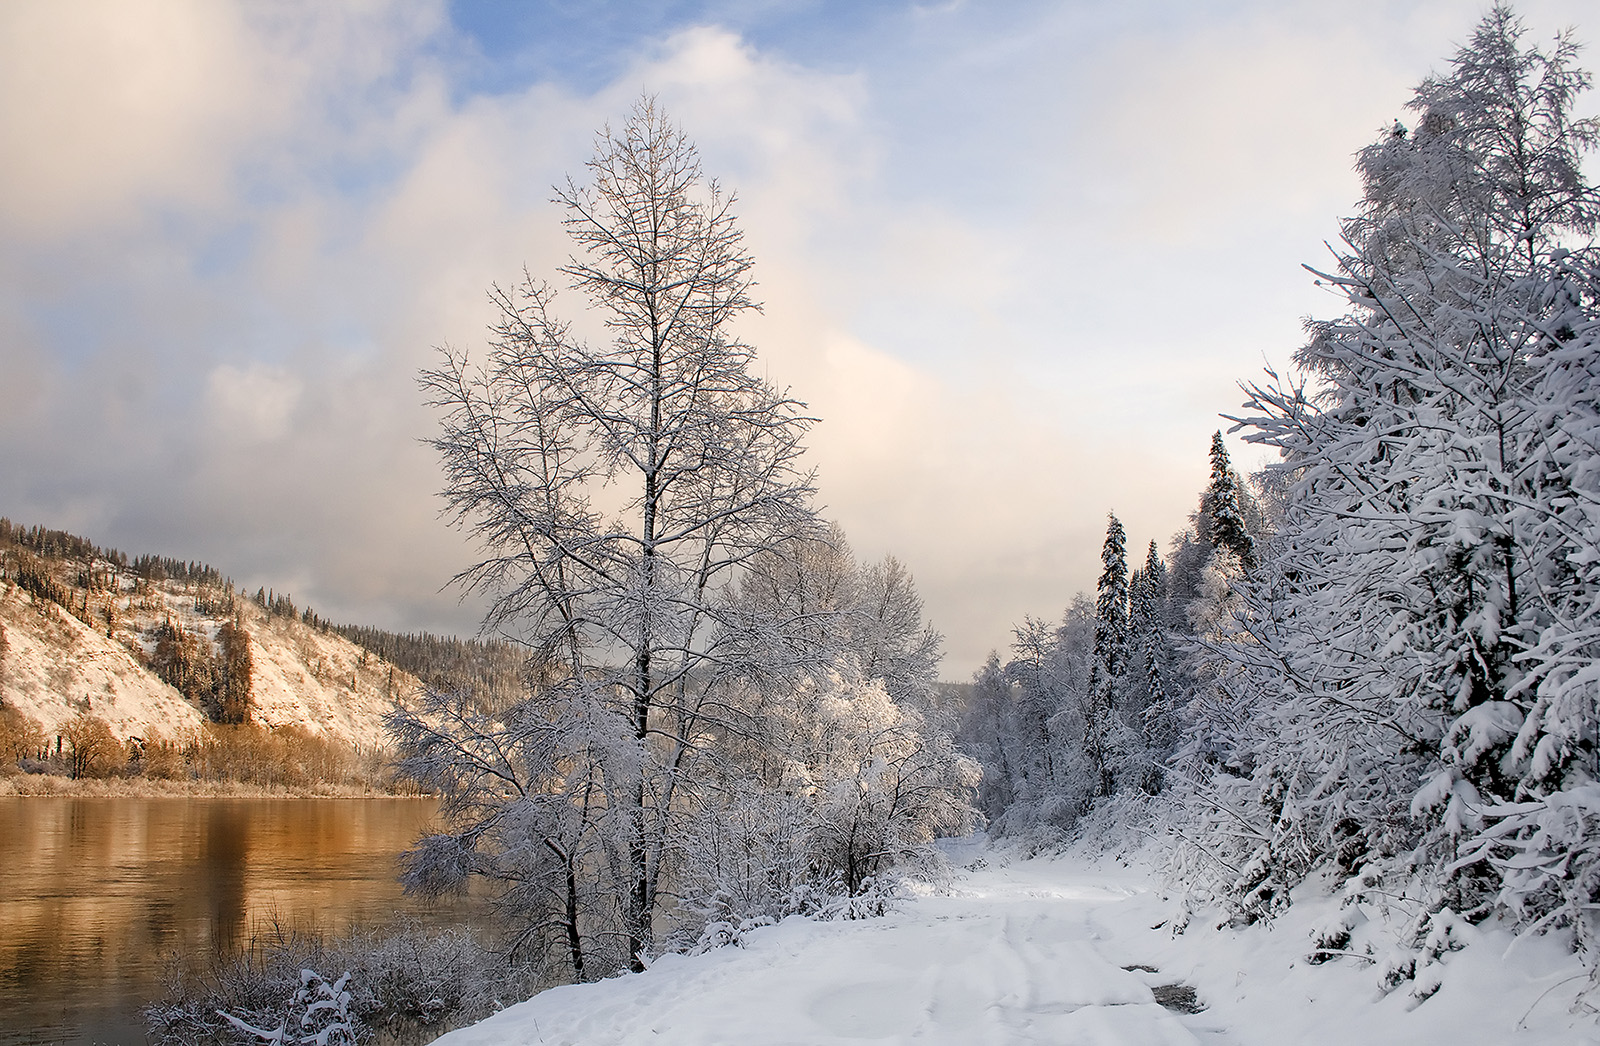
(97, 893)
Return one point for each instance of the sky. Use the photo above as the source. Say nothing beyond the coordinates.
(1017, 257)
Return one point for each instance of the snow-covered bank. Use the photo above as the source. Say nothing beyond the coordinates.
(1039, 951)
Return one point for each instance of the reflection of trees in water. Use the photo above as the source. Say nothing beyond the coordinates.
(225, 859)
(97, 894)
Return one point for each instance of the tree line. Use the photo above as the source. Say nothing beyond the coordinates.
(1383, 666)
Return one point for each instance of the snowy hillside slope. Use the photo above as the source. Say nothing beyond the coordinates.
(1047, 950)
(320, 681)
(57, 666)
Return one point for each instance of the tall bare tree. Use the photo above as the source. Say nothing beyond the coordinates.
(617, 492)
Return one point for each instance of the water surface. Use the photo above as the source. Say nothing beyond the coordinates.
(97, 893)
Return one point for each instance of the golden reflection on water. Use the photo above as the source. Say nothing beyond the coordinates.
(97, 893)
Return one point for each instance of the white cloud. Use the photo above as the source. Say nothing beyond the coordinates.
(106, 104)
(255, 403)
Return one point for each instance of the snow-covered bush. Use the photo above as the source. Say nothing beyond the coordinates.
(851, 784)
(880, 784)
(409, 985)
(319, 1015)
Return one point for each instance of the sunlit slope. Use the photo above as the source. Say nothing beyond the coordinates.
(56, 666)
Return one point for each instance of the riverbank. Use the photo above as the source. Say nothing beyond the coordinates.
(155, 788)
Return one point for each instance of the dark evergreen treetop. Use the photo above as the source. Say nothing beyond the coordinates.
(1224, 519)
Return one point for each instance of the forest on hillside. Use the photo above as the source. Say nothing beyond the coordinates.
(185, 625)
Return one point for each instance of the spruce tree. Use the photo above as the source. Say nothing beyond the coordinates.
(1220, 509)
(1149, 624)
(1110, 654)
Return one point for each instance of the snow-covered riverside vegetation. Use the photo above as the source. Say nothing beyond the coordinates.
(1063, 948)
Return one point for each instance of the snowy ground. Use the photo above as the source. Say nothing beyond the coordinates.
(1049, 950)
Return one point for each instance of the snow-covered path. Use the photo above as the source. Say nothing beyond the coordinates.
(1063, 950)
(1010, 956)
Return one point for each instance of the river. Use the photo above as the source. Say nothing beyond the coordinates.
(96, 895)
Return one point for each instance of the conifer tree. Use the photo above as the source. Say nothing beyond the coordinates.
(1149, 625)
(1220, 509)
(235, 672)
(1110, 654)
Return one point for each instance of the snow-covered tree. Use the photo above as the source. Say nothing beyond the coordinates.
(986, 733)
(1025, 724)
(1424, 612)
(890, 637)
(794, 800)
(1222, 520)
(881, 783)
(1145, 696)
(1109, 663)
(618, 491)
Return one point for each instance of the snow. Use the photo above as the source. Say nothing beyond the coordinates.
(319, 681)
(1038, 950)
(57, 666)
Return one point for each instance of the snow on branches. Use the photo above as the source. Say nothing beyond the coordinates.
(1418, 646)
(647, 532)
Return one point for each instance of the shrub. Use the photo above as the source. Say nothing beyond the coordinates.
(21, 736)
(92, 749)
(405, 986)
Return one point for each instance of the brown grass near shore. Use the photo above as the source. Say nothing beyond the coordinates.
(143, 787)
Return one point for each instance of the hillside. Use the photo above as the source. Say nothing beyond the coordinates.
(57, 666)
(158, 648)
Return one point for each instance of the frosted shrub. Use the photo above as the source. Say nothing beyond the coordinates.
(319, 1015)
(406, 986)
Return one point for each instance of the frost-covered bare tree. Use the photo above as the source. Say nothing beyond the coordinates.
(618, 491)
(1426, 609)
(889, 635)
(808, 604)
(842, 764)
(1026, 724)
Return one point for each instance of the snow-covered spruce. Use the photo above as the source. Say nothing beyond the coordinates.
(1412, 667)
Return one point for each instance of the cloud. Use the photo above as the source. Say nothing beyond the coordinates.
(126, 111)
(110, 104)
(255, 403)
(1014, 256)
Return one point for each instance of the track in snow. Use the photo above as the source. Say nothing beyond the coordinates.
(1009, 956)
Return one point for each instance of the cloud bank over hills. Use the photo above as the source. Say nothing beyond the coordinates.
(1015, 260)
